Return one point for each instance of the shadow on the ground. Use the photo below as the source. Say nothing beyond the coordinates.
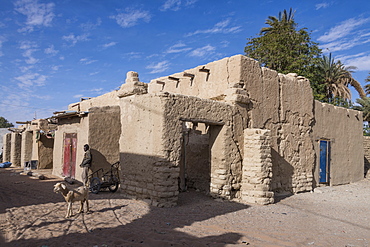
(159, 227)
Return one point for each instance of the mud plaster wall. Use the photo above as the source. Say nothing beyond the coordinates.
(223, 74)
(6, 147)
(108, 99)
(367, 156)
(15, 149)
(26, 154)
(3, 131)
(45, 147)
(343, 127)
(226, 156)
(70, 125)
(104, 135)
(145, 169)
(283, 104)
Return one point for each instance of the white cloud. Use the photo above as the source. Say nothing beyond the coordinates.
(2, 40)
(109, 44)
(175, 5)
(361, 61)
(87, 61)
(87, 27)
(51, 51)
(28, 48)
(78, 96)
(171, 5)
(38, 14)
(220, 27)
(322, 5)
(131, 17)
(158, 67)
(203, 51)
(31, 79)
(56, 68)
(96, 90)
(133, 55)
(343, 29)
(177, 48)
(74, 39)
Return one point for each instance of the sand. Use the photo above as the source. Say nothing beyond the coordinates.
(33, 215)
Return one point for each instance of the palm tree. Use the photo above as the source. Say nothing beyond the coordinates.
(336, 78)
(284, 19)
(367, 86)
(364, 107)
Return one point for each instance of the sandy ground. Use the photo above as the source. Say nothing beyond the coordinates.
(33, 215)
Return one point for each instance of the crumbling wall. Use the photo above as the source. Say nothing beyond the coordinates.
(343, 128)
(153, 124)
(283, 104)
(226, 156)
(104, 134)
(296, 156)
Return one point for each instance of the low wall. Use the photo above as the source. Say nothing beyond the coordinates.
(343, 128)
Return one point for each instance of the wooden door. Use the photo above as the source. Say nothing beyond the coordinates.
(324, 161)
(69, 162)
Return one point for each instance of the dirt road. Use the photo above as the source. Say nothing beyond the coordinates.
(33, 215)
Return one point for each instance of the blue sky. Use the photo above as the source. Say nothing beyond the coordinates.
(52, 53)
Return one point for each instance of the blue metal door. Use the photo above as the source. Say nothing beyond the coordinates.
(324, 161)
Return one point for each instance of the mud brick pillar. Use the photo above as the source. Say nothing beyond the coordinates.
(257, 167)
(6, 147)
(15, 149)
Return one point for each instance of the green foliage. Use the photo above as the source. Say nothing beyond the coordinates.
(364, 106)
(367, 86)
(282, 47)
(4, 123)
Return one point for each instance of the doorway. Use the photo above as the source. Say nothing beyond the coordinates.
(200, 155)
(69, 151)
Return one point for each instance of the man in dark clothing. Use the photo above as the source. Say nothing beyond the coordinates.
(86, 164)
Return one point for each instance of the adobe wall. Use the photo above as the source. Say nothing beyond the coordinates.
(104, 135)
(3, 132)
(142, 154)
(108, 99)
(367, 156)
(208, 81)
(27, 144)
(72, 125)
(45, 152)
(15, 149)
(6, 147)
(151, 160)
(343, 127)
(282, 104)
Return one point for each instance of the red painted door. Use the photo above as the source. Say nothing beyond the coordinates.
(69, 162)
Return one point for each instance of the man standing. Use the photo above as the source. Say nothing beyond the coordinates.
(86, 164)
